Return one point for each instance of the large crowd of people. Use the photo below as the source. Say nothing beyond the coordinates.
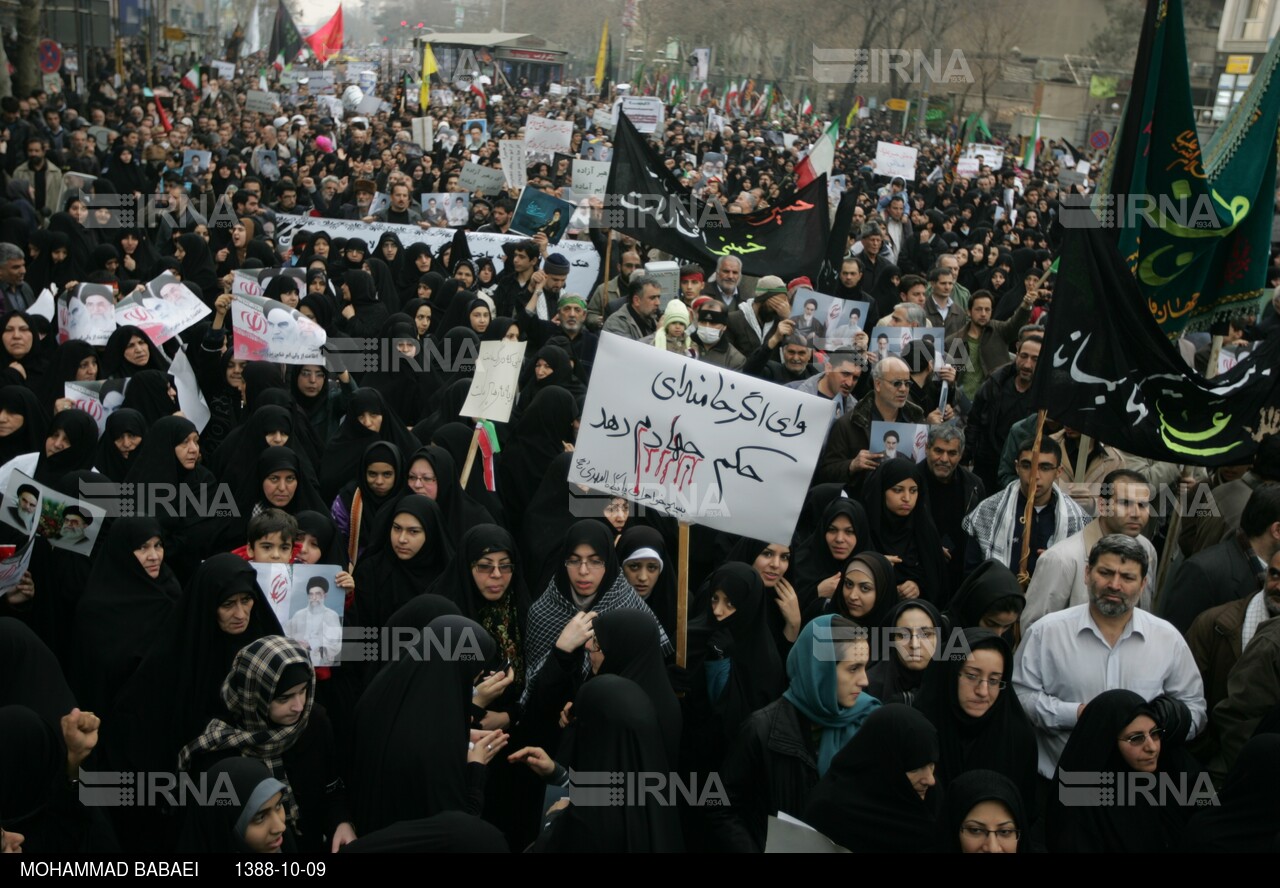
(879, 674)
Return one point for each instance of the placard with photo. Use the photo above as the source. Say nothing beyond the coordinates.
(898, 439)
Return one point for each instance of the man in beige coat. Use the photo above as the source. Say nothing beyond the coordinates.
(1124, 506)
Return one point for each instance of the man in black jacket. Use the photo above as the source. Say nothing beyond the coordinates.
(1003, 399)
(953, 491)
(1230, 569)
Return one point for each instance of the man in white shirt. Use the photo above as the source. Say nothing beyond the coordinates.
(1072, 656)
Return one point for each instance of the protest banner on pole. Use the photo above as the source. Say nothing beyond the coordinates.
(896, 160)
(496, 381)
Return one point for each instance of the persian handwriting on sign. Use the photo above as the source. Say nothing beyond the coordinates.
(670, 462)
(752, 407)
(741, 467)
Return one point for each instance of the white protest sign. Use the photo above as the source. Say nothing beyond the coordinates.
(647, 113)
(43, 306)
(967, 167)
(475, 177)
(190, 398)
(267, 330)
(603, 119)
(697, 442)
(421, 131)
(67, 522)
(584, 260)
(511, 153)
(545, 134)
(590, 177)
(224, 70)
(261, 102)
(1084, 167)
(895, 160)
(494, 387)
(992, 155)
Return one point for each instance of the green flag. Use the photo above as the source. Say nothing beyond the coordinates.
(1195, 227)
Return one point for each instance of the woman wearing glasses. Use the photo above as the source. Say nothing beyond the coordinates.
(910, 632)
(980, 723)
(1136, 749)
(985, 814)
(588, 582)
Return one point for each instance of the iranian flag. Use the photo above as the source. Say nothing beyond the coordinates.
(806, 107)
(191, 80)
(1033, 146)
(481, 100)
(821, 157)
(704, 94)
(731, 95)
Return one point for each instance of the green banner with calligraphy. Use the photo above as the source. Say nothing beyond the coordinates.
(1194, 223)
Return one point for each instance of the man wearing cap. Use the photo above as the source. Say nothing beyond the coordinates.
(871, 248)
(713, 345)
(785, 358)
(73, 535)
(753, 323)
(555, 271)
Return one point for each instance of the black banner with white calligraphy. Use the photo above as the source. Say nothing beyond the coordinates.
(1108, 370)
(646, 201)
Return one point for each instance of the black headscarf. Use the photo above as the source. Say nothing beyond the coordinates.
(82, 431)
(461, 512)
(407, 385)
(113, 361)
(880, 569)
(890, 680)
(662, 597)
(32, 675)
(503, 619)
(120, 613)
(816, 501)
(63, 367)
(971, 789)
(342, 455)
(412, 731)
(756, 674)
(109, 460)
(562, 376)
(197, 269)
(233, 461)
(188, 662)
(456, 439)
(35, 363)
(913, 538)
(373, 505)
(221, 828)
(1137, 826)
(991, 583)
(306, 498)
(1247, 818)
(865, 801)
(80, 243)
(812, 562)
(384, 581)
(632, 649)
(37, 777)
(19, 399)
(616, 729)
(538, 438)
(448, 408)
(1001, 739)
(148, 393)
(546, 520)
(451, 832)
(144, 255)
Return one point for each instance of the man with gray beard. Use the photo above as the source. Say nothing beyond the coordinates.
(570, 323)
(1069, 657)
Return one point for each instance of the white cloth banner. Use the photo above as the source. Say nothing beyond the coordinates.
(494, 387)
(696, 442)
(590, 177)
(584, 261)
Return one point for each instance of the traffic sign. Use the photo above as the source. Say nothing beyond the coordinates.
(1100, 139)
(49, 55)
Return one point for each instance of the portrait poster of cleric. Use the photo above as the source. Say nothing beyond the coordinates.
(267, 330)
(87, 313)
(162, 309)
